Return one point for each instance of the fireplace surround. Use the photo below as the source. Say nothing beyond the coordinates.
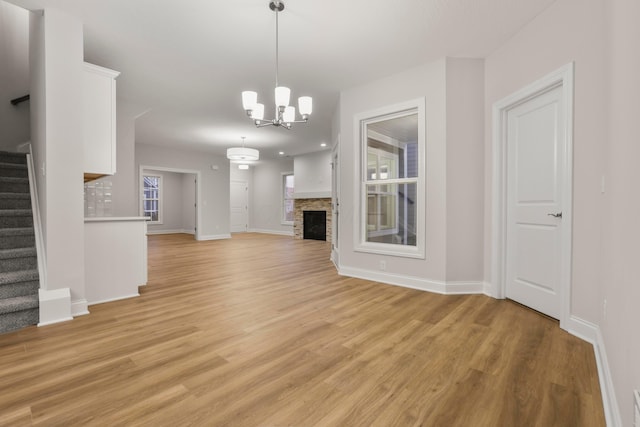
(315, 204)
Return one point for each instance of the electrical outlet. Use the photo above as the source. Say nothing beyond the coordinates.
(382, 265)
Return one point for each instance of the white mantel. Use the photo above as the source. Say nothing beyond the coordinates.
(312, 195)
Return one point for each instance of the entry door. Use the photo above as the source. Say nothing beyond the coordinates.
(536, 147)
(239, 206)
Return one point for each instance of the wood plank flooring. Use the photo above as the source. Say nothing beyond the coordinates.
(259, 330)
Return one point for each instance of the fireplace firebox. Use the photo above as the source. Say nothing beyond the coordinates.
(314, 225)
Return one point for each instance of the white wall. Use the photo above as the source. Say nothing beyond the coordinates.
(188, 203)
(428, 81)
(265, 210)
(57, 48)
(621, 233)
(465, 169)
(125, 195)
(14, 75)
(214, 184)
(312, 174)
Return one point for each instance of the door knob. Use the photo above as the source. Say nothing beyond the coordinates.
(556, 215)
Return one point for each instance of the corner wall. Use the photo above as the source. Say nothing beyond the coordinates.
(56, 63)
(428, 81)
(265, 210)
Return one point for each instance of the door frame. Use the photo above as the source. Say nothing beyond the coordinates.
(335, 202)
(142, 168)
(563, 78)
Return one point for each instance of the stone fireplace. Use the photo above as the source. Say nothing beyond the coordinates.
(310, 205)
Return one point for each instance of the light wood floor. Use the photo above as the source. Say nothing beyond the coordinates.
(259, 330)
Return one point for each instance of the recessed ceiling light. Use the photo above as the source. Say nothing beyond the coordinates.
(324, 144)
(281, 153)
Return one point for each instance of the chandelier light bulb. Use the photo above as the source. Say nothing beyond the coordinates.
(282, 96)
(289, 115)
(249, 99)
(305, 105)
(258, 112)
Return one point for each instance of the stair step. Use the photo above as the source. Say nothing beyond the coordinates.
(10, 322)
(19, 289)
(14, 185)
(12, 238)
(14, 170)
(10, 277)
(16, 158)
(15, 201)
(26, 302)
(18, 259)
(16, 218)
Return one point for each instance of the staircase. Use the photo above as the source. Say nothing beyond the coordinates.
(19, 281)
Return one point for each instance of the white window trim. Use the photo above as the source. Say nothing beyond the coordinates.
(160, 198)
(360, 182)
(282, 199)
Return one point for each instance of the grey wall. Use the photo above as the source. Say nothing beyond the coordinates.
(265, 200)
(14, 75)
(214, 184)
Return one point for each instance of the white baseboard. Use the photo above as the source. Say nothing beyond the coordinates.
(176, 231)
(114, 299)
(55, 306)
(79, 307)
(437, 286)
(215, 237)
(591, 333)
(265, 231)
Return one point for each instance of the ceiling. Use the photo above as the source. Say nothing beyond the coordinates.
(183, 64)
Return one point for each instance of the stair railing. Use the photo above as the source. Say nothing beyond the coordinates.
(37, 225)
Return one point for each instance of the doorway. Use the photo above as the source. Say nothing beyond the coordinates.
(189, 191)
(532, 195)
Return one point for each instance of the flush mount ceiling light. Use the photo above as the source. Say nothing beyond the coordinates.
(242, 153)
(285, 114)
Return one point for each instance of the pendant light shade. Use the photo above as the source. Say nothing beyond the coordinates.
(242, 153)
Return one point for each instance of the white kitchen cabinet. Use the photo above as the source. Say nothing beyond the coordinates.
(99, 121)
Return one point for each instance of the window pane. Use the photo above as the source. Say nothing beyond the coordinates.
(287, 198)
(288, 210)
(391, 213)
(394, 142)
(151, 197)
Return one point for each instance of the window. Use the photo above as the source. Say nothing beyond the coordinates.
(391, 219)
(152, 198)
(287, 198)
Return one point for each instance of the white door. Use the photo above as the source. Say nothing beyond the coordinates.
(239, 206)
(536, 146)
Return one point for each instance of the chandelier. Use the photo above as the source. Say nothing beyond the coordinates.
(285, 114)
(242, 153)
